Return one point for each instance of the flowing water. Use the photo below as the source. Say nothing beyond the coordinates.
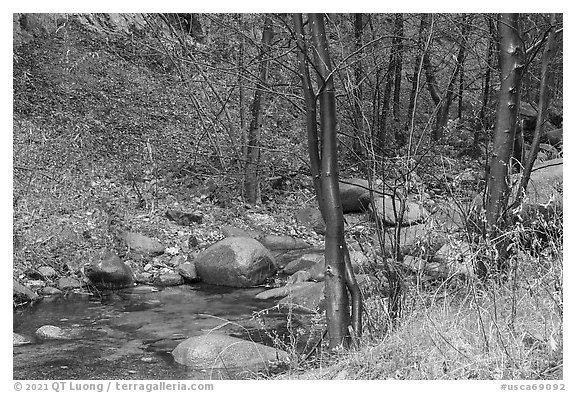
(129, 334)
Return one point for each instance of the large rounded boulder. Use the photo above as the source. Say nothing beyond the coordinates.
(220, 351)
(235, 262)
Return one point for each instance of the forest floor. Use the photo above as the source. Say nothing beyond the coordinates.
(99, 147)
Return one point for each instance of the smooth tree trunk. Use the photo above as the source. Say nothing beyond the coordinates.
(511, 69)
(338, 273)
(251, 176)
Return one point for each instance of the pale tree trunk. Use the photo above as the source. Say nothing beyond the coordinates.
(511, 68)
(338, 273)
(251, 176)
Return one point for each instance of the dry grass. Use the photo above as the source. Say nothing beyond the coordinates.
(464, 330)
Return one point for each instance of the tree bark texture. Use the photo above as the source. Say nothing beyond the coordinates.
(338, 273)
(251, 178)
(511, 68)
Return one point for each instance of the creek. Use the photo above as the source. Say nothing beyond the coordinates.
(129, 334)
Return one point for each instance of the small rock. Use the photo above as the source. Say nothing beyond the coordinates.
(49, 291)
(47, 271)
(141, 243)
(65, 283)
(169, 279)
(108, 271)
(35, 284)
(275, 242)
(22, 293)
(188, 271)
(18, 339)
(50, 332)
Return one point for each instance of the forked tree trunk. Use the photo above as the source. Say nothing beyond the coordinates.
(511, 67)
(251, 176)
(338, 273)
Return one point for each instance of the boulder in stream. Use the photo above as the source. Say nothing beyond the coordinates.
(108, 271)
(235, 262)
(220, 351)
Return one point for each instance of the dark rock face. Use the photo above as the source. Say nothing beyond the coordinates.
(108, 271)
(235, 262)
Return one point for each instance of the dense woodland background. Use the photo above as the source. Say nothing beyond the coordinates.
(118, 117)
